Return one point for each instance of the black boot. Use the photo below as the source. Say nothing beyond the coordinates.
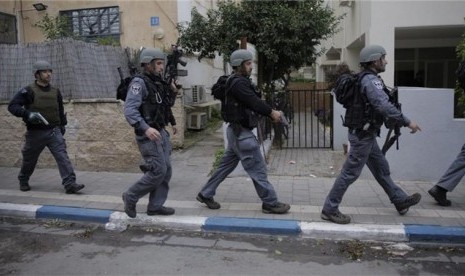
(24, 186)
(439, 194)
(74, 188)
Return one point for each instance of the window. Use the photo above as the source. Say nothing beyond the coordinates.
(94, 24)
(430, 67)
(8, 33)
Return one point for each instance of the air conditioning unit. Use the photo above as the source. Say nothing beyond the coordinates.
(198, 93)
(197, 120)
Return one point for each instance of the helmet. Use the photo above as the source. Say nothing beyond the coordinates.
(41, 65)
(149, 54)
(239, 56)
(371, 53)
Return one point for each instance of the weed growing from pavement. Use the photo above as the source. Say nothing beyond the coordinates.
(218, 155)
(56, 223)
(87, 233)
(352, 249)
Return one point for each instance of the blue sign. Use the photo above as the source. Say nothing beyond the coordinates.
(154, 21)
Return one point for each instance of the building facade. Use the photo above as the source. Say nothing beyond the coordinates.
(132, 24)
(419, 36)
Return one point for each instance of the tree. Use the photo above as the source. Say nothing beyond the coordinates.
(286, 34)
(459, 93)
(54, 27)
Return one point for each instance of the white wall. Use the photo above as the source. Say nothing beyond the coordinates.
(387, 15)
(417, 13)
(423, 156)
(207, 71)
(374, 22)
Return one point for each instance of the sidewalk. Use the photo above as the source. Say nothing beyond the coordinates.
(303, 184)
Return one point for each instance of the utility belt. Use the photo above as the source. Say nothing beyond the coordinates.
(239, 125)
(361, 133)
(40, 126)
(236, 127)
(156, 126)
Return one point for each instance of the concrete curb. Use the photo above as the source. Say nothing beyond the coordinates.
(324, 230)
(251, 225)
(435, 233)
(119, 221)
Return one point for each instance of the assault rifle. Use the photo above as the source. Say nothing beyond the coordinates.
(122, 88)
(392, 125)
(173, 59)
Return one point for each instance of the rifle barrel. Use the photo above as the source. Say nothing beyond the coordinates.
(120, 72)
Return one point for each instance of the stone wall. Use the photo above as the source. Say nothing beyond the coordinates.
(97, 136)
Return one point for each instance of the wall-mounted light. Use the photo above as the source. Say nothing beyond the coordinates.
(158, 33)
(39, 6)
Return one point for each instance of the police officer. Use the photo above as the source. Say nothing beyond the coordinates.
(242, 105)
(41, 107)
(364, 148)
(148, 110)
(451, 178)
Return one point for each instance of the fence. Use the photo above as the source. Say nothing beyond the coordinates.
(80, 70)
(98, 137)
(308, 109)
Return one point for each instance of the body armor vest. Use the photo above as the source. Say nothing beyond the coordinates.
(154, 106)
(45, 102)
(236, 112)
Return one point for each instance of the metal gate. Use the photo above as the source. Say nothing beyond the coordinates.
(309, 113)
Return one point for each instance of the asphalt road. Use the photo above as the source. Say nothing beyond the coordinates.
(52, 247)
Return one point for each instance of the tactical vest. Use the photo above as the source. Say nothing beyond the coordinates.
(154, 107)
(236, 112)
(45, 102)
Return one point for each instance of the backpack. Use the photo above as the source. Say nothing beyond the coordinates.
(122, 90)
(347, 93)
(219, 93)
(219, 88)
(345, 89)
(460, 73)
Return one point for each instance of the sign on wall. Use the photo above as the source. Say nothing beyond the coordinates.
(154, 21)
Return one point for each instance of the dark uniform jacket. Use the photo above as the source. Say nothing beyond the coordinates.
(243, 102)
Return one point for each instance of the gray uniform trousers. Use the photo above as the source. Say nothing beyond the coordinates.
(454, 173)
(244, 148)
(36, 141)
(158, 171)
(363, 151)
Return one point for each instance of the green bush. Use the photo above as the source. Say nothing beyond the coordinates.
(54, 27)
(109, 41)
(216, 114)
(302, 79)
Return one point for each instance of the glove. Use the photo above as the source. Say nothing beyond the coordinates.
(62, 130)
(34, 118)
